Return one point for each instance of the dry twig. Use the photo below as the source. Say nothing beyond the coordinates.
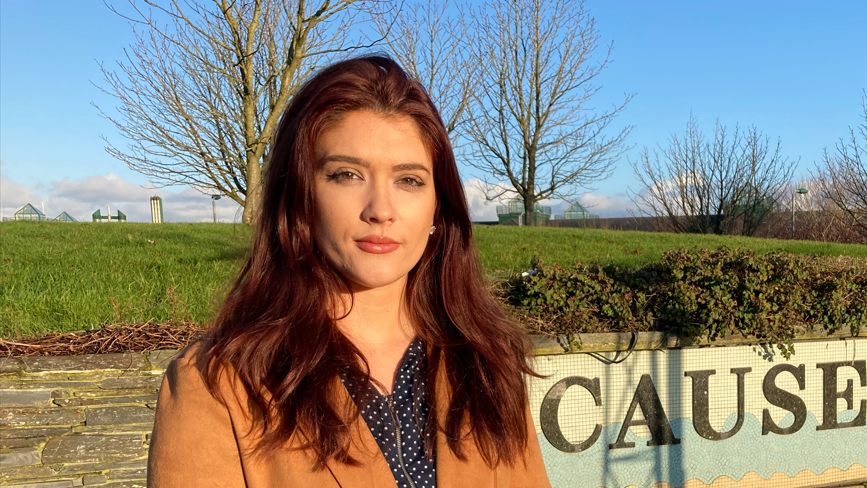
(147, 336)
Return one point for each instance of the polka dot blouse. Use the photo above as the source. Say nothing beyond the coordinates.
(402, 447)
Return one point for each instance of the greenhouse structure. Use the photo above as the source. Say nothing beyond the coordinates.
(29, 212)
(65, 217)
(578, 212)
(514, 210)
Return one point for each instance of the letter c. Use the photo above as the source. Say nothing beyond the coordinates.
(551, 407)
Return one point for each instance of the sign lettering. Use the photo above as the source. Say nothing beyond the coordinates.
(647, 399)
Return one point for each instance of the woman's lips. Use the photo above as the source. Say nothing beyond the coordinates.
(377, 244)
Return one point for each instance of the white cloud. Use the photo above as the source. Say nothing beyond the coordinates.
(109, 188)
(80, 198)
(480, 208)
(14, 196)
(605, 206)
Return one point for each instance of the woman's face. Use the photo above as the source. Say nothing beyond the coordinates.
(375, 197)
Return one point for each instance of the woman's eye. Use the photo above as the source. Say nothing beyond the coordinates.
(411, 181)
(342, 176)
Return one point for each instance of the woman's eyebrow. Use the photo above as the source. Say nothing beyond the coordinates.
(343, 159)
(410, 167)
(353, 160)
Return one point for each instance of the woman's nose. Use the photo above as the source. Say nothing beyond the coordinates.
(379, 208)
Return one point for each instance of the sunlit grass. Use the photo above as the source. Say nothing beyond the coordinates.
(72, 276)
(506, 250)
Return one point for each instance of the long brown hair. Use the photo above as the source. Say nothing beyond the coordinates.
(274, 329)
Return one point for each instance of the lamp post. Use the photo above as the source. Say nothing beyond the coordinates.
(802, 191)
(214, 199)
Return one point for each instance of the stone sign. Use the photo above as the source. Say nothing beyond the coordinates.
(705, 416)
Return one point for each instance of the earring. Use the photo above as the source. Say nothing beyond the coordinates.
(432, 229)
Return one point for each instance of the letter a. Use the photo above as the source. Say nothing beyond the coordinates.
(655, 419)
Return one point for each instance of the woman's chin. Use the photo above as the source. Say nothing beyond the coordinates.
(375, 280)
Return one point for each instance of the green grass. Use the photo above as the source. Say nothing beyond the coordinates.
(73, 276)
(507, 250)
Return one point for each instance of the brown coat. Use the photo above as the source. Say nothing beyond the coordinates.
(197, 441)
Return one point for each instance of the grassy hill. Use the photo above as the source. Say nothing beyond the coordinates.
(506, 250)
(72, 276)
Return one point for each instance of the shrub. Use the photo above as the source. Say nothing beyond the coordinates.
(697, 293)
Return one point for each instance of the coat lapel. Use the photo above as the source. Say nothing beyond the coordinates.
(373, 470)
(451, 471)
(454, 473)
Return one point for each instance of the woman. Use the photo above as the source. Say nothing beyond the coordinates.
(361, 308)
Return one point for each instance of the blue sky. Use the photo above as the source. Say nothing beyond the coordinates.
(795, 69)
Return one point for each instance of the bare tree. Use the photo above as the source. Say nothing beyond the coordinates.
(529, 123)
(817, 218)
(429, 39)
(727, 185)
(205, 82)
(842, 175)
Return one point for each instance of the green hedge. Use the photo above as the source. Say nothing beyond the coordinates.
(695, 293)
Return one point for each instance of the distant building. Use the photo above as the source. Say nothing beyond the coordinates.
(98, 217)
(156, 210)
(65, 217)
(514, 210)
(29, 212)
(578, 212)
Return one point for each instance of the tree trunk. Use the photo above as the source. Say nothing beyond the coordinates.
(529, 214)
(253, 200)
